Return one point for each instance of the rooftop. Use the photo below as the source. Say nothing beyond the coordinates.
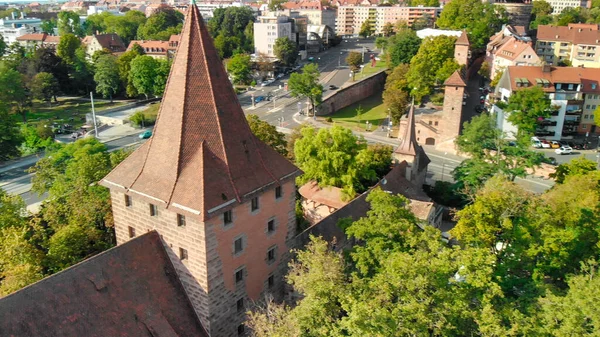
(535, 75)
(577, 33)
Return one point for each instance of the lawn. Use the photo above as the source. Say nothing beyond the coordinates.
(68, 110)
(374, 112)
(368, 70)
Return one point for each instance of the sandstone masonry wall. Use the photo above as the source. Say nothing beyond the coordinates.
(353, 93)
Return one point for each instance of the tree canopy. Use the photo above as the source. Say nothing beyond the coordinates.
(366, 29)
(336, 157)
(396, 93)
(268, 134)
(161, 25)
(306, 84)
(286, 51)
(525, 108)
(107, 77)
(69, 23)
(232, 29)
(480, 19)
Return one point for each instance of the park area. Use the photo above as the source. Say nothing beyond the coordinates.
(372, 110)
(68, 110)
(368, 70)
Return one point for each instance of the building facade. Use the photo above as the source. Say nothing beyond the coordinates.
(111, 42)
(267, 29)
(577, 43)
(222, 201)
(559, 5)
(512, 52)
(574, 93)
(351, 18)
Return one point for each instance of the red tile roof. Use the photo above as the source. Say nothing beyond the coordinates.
(33, 37)
(409, 139)
(574, 75)
(130, 290)
(574, 33)
(455, 80)
(328, 196)
(512, 49)
(463, 39)
(151, 46)
(202, 156)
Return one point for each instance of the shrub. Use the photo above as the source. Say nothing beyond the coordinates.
(437, 98)
(329, 120)
(141, 119)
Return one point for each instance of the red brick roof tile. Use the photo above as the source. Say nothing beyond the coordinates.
(202, 156)
(130, 290)
(463, 39)
(455, 80)
(574, 33)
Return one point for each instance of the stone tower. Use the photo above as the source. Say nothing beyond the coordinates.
(221, 200)
(461, 49)
(411, 152)
(454, 90)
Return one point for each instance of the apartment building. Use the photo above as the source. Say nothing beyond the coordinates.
(351, 18)
(314, 11)
(267, 29)
(577, 43)
(559, 5)
(574, 93)
(510, 47)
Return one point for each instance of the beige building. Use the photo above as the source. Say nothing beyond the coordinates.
(97, 42)
(351, 18)
(157, 49)
(578, 43)
(510, 47)
(559, 5)
(314, 11)
(267, 29)
(33, 41)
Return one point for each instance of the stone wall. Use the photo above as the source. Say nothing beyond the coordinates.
(353, 93)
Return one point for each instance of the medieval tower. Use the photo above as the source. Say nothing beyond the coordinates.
(461, 49)
(411, 152)
(221, 200)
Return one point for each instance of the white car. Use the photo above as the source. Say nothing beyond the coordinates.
(546, 145)
(564, 150)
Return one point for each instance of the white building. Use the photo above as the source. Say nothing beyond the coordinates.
(208, 8)
(430, 32)
(574, 93)
(267, 29)
(11, 34)
(559, 5)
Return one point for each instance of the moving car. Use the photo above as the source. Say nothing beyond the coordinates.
(146, 134)
(564, 150)
(259, 99)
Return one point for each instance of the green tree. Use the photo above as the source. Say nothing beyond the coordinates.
(161, 25)
(11, 137)
(335, 157)
(12, 210)
(381, 43)
(67, 47)
(485, 70)
(525, 107)
(124, 66)
(73, 243)
(395, 95)
(142, 74)
(402, 47)
(232, 29)
(276, 5)
(240, 68)
(126, 26)
(388, 30)
(47, 26)
(20, 261)
(597, 116)
(577, 166)
(354, 60)
(95, 23)
(13, 91)
(286, 51)
(431, 63)
(424, 3)
(481, 20)
(69, 23)
(569, 15)
(44, 87)
(107, 76)
(268, 134)
(422, 22)
(3, 46)
(162, 75)
(307, 85)
(366, 30)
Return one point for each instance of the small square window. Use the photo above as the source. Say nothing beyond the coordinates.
(271, 281)
(227, 217)
(436, 123)
(131, 232)
(180, 220)
(153, 210)
(271, 255)
(183, 255)
(241, 329)
(239, 275)
(254, 204)
(127, 201)
(240, 305)
(271, 226)
(584, 126)
(277, 192)
(238, 245)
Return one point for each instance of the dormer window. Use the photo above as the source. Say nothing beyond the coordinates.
(593, 86)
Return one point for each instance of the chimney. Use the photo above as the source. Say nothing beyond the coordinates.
(546, 68)
(557, 35)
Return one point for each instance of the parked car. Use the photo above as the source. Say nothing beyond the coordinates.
(259, 99)
(563, 143)
(555, 144)
(545, 144)
(536, 142)
(146, 134)
(564, 150)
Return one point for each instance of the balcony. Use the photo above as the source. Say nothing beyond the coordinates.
(574, 112)
(544, 133)
(547, 122)
(571, 122)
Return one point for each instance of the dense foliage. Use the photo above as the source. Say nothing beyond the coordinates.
(232, 29)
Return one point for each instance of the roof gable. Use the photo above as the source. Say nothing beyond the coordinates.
(129, 290)
(463, 39)
(202, 154)
(455, 80)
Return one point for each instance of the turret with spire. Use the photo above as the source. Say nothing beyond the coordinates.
(411, 152)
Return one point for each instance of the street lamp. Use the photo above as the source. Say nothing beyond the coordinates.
(444, 164)
(340, 60)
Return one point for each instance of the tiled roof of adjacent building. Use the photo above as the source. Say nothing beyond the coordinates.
(455, 80)
(511, 49)
(151, 46)
(534, 75)
(463, 39)
(130, 290)
(329, 196)
(202, 156)
(575, 33)
(33, 37)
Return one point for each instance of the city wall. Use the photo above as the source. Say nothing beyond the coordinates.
(352, 93)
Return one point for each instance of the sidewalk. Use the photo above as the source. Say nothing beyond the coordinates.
(119, 131)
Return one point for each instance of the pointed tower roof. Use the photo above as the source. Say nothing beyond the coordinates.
(455, 80)
(409, 139)
(463, 39)
(202, 156)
